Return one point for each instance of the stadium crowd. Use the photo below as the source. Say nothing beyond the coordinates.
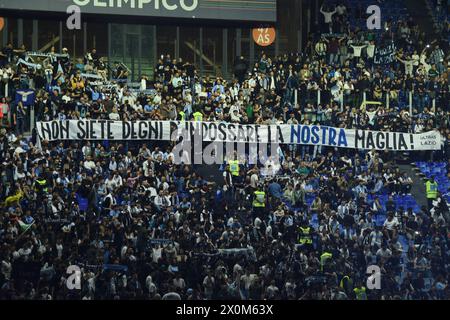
(141, 227)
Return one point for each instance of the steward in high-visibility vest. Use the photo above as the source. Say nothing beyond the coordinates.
(234, 167)
(198, 116)
(304, 235)
(346, 284)
(360, 293)
(182, 115)
(259, 201)
(431, 189)
(324, 258)
(41, 185)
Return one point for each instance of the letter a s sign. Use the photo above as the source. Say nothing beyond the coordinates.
(374, 280)
(74, 20)
(374, 21)
(74, 280)
(264, 37)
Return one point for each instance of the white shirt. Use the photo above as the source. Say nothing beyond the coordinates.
(376, 238)
(254, 180)
(59, 249)
(272, 83)
(357, 50)
(416, 59)
(143, 84)
(110, 184)
(252, 82)
(157, 99)
(327, 15)
(137, 107)
(370, 50)
(114, 116)
(177, 82)
(157, 253)
(341, 9)
(423, 61)
(147, 166)
(113, 166)
(390, 225)
(150, 285)
(384, 253)
(90, 165)
(123, 251)
(87, 151)
(6, 269)
(409, 64)
(118, 181)
(66, 98)
(162, 201)
(179, 283)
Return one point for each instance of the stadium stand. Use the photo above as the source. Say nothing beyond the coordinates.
(143, 227)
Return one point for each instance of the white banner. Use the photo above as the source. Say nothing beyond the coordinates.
(229, 132)
(103, 130)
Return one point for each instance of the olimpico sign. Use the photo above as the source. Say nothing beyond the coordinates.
(261, 11)
(171, 5)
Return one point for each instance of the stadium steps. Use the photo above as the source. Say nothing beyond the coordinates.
(418, 187)
(439, 171)
(209, 67)
(403, 158)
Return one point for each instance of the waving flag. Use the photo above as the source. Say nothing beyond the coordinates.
(24, 226)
